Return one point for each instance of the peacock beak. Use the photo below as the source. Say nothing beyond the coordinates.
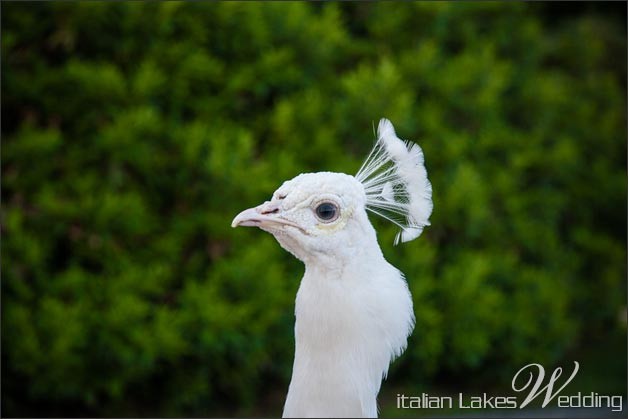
(266, 215)
(248, 218)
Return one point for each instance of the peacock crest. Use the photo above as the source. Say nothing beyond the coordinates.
(396, 183)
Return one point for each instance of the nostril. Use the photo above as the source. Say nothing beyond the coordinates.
(271, 211)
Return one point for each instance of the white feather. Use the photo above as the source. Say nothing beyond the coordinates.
(396, 184)
(348, 330)
(387, 192)
(353, 309)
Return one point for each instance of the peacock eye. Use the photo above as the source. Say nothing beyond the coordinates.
(327, 212)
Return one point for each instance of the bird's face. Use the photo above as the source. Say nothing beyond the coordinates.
(313, 215)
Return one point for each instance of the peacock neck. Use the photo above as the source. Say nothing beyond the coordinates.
(354, 259)
(340, 355)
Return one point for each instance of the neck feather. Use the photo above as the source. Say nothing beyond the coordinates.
(352, 318)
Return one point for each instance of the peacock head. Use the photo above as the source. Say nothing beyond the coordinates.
(313, 215)
(323, 215)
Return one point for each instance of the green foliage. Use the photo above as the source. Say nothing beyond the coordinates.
(134, 132)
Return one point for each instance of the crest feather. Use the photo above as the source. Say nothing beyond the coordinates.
(396, 183)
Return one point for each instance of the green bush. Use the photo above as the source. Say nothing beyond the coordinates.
(134, 132)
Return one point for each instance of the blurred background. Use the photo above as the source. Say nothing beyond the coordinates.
(132, 133)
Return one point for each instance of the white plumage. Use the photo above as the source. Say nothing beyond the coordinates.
(353, 309)
(396, 184)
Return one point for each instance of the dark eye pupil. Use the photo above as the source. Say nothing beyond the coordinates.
(326, 211)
